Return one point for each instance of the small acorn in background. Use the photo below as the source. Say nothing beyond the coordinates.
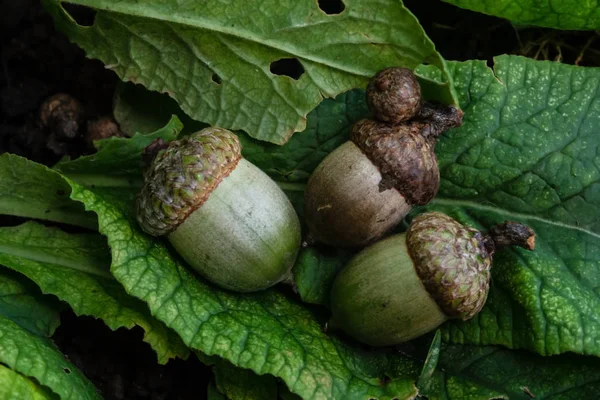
(408, 284)
(365, 187)
(225, 217)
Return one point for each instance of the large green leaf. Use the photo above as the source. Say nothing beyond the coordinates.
(75, 268)
(529, 140)
(215, 58)
(483, 373)
(37, 357)
(22, 302)
(16, 386)
(34, 191)
(563, 14)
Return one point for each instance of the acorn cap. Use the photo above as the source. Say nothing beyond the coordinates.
(405, 158)
(182, 177)
(452, 261)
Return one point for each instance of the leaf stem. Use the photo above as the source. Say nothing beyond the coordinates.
(291, 187)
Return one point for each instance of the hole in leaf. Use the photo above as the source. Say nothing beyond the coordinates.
(84, 16)
(67, 370)
(216, 78)
(287, 66)
(331, 7)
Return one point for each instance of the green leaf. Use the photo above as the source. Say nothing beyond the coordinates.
(243, 384)
(215, 60)
(473, 373)
(15, 386)
(264, 332)
(22, 302)
(315, 271)
(529, 139)
(431, 363)
(139, 110)
(563, 14)
(213, 394)
(75, 268)
(34, 191)
(33, 356)
(99, 169)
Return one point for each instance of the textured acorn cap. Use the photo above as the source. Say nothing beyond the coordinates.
(452, 261)
(405, 158)
(182, 176)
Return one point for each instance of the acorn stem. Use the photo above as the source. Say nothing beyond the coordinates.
(509, 234)
(438, 119)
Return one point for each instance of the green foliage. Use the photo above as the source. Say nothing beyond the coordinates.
(469, 373)
(243, 384)
(215, 60)
(564, 14)
(32, 190)
(16, 386)
(529, 140)
(22, 302)
(315, 270)
(30, 365)
(34, 356)
(75, 268)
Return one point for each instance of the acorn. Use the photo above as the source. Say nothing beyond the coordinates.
(408, 284)
(224, 216)
(365, 187)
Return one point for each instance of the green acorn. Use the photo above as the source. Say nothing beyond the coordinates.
(225, 217)
(408, 284)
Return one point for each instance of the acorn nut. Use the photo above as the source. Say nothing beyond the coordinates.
(365, 187)
(408, 284)
(394, 95)
(225, 217)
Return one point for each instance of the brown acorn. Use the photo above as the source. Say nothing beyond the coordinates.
(365, 187)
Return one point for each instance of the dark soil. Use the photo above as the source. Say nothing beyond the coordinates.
(122, 366)
(37, 62)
